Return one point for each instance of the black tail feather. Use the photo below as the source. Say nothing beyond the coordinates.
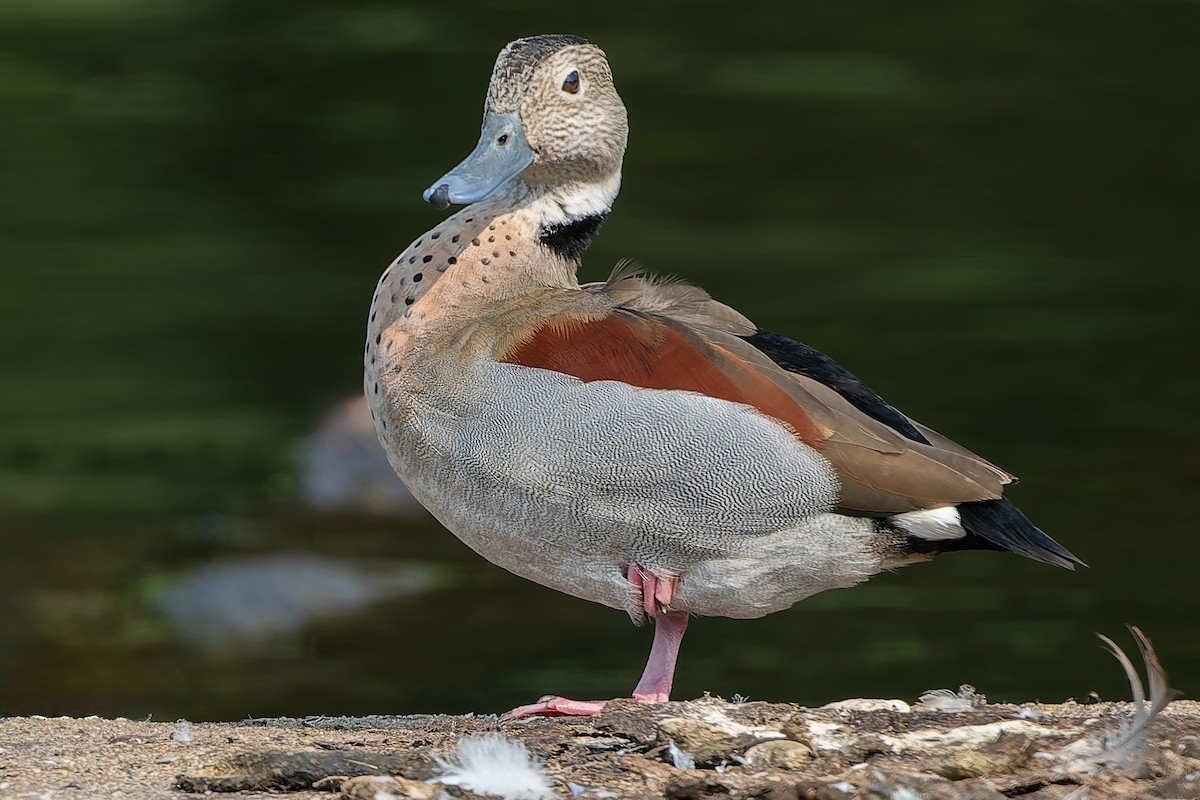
(999, 523)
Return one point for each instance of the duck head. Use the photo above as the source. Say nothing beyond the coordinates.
(553, 137)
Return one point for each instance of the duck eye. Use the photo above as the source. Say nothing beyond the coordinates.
(503, 139)
(571, 83)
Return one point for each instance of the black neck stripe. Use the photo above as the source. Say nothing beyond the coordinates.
(570, 240)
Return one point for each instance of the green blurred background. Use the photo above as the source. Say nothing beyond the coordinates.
(988, 211)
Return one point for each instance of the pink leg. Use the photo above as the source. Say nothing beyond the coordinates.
(655, 685)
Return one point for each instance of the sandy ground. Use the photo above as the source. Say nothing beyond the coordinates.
(695, 749)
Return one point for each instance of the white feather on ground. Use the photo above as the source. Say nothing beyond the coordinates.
(1126, 748)
(679, 758)
(949, 702)
(491, 764)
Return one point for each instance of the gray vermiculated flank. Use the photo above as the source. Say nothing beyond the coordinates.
(580, 479)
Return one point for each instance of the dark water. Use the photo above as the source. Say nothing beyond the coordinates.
(987, 211)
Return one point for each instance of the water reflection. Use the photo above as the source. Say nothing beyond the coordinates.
(343, 468)
(254, 602)
(987, 212)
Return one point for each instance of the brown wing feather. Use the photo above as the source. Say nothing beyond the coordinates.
(675, 337)
(641, 351)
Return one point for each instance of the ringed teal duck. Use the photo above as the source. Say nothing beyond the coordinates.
(636, 443)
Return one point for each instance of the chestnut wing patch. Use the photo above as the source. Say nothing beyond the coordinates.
(654, 354)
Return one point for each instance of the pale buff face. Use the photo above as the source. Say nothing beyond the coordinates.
(576, 135)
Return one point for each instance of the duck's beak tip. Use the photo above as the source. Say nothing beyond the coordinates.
(438, 196)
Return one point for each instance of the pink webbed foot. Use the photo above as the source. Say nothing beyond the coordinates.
(557, 706)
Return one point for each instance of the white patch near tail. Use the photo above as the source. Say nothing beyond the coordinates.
(935, 524)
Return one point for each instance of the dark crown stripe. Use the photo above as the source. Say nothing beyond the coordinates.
(524, 53)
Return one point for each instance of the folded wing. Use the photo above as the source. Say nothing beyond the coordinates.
(674, 337)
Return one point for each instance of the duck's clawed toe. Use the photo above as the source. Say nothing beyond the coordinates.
(655, 589)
